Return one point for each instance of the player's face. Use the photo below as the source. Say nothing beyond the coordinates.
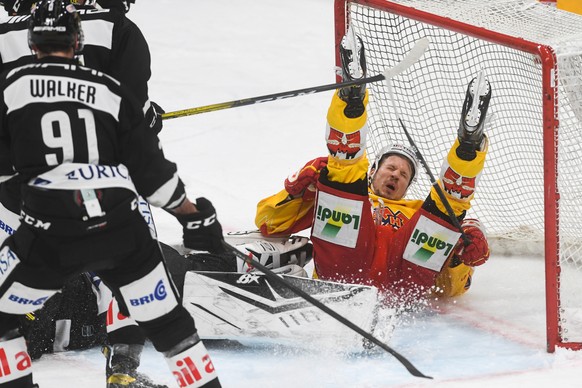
(392, 178)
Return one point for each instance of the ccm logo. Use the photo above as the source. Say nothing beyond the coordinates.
(202, 223)
(39, 224)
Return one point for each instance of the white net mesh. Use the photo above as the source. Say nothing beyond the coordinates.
(429, 97)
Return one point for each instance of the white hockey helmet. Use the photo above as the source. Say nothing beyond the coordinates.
(400, 150)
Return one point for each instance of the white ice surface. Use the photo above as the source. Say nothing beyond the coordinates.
(210, 51)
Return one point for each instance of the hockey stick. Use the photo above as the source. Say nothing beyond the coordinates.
(413, 55)
(299, 292)
(268, 97)
(437, 187)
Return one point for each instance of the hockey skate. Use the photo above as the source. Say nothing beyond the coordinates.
(353, 67)
(471, 136)
(121, 370)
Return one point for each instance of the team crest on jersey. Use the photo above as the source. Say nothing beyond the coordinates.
(460, 187)
(393, 219)
(337, 220)
(350, 145)
(430, 244)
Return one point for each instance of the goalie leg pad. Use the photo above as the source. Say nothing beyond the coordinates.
(291, 270)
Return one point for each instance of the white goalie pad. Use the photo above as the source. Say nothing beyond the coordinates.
(250, 307)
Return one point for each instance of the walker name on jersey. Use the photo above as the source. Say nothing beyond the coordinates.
(430, 244)
(337, 219)
(69, 88)
(30, 89)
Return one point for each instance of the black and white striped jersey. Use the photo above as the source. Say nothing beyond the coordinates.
(113, 45)
(54, 113)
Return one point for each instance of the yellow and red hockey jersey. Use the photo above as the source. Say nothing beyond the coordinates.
(282, 214)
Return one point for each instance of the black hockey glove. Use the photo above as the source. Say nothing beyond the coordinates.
(202, 231)
(154, 117)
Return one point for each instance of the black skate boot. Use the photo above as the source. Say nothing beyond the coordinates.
(353, 67)
(121, 368)
(473, 115)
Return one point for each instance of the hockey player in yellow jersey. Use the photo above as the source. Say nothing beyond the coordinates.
(375, 236)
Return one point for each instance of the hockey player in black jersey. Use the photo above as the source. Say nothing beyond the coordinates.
(115, 46)
(77, 141)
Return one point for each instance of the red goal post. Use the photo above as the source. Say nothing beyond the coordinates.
(530, 194)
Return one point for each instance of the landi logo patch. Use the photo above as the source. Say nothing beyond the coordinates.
(430, 244)
(337, 219)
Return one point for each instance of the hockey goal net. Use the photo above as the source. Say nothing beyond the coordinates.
(530, 194)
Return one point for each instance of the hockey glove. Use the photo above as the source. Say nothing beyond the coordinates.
(154, 117)
(302, 182)
(477, 252)
(202, 231)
